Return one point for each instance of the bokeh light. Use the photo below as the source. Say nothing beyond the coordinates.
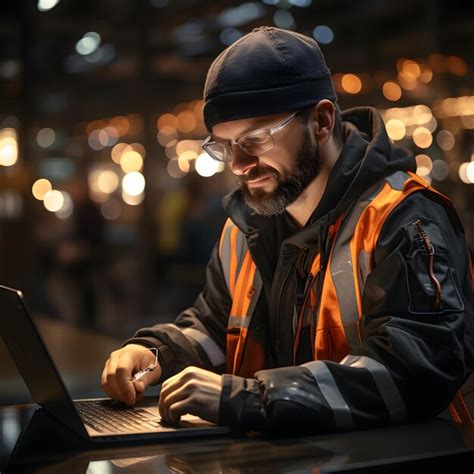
(118, 150)
(424, 165)
(46, 5)
(88, 43)
(207, 166)
(445, 140)
(45, 137)
(53, 200)
(174, 170)
(422, 137)
(8, 147)
(323, 34)
(133, 200)
(395, 129)
(133, 183)
(40, 188)
(107, 181)
(166, 135)
(67, 208)
(351, 83)
(392, 91)
(440, 170)
(283, 19)
(470, 172)
(167, 120)
(186, 122)
(131, 161)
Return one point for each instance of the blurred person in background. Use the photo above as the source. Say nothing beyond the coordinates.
(339, 295)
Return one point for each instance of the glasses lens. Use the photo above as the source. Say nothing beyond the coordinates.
(256, 143)
(219, 151)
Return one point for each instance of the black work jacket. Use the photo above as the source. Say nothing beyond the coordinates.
(428, 355)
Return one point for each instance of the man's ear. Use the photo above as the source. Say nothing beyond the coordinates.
(322, 120)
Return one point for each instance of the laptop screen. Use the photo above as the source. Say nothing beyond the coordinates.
(33, 360)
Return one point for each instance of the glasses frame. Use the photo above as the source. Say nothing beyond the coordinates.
(235, 141)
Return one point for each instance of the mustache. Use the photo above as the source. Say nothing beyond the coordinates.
(258, 173)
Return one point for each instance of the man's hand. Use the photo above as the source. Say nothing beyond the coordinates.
(193, 390)
(119, 369)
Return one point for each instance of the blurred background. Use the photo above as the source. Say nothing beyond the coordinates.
(109, 208)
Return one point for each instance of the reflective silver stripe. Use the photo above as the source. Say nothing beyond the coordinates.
(363, 265)
(226, 249)
(215, 355)
(341, 267)
(331, 392)
(225, 255)
(240, 250)
(238, 321)
(385, 384)
(397, 180)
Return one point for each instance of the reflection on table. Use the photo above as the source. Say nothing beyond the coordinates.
(415, 447)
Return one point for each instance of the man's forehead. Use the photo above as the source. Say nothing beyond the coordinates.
(235, 128)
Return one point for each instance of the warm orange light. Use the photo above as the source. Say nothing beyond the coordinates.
(40, 188)
(166, 135)
(198, 108)
(411, 68)
(422, 137)
(407, 81)
(426, 75)
(392, 91)
(121, 124)
(118, 150)
(186, 122)
(351, 83)
(183, 164)
(184, 145)
(167, 120)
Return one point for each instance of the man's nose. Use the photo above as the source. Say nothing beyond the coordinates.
(242, 162)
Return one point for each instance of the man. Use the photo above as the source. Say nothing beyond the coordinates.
(338, 295)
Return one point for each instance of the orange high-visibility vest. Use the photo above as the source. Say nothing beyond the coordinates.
(339, 310)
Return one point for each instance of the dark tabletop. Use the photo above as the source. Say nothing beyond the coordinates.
(435, 445)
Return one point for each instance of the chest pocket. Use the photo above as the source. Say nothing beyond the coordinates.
(431, 282)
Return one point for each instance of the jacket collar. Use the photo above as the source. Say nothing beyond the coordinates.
(366, 157)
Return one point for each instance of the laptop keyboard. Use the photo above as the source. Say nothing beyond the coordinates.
(109, 416)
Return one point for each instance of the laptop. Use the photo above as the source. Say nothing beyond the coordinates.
(99, 420)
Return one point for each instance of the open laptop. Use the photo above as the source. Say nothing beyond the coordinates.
(97, 420)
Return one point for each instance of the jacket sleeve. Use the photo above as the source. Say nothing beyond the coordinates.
(198, 335)
(414, 354)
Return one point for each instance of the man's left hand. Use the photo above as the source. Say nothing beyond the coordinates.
(193, 390)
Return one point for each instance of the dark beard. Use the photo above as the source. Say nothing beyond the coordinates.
(307, 167)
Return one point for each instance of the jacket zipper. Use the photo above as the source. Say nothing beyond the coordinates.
(280, 302)
(307, 293)
(425, 239)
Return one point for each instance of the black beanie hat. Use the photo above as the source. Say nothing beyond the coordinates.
(267, 71)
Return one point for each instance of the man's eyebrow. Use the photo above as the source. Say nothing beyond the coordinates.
(247, 130)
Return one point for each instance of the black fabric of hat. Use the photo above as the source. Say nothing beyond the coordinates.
(267, 71)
